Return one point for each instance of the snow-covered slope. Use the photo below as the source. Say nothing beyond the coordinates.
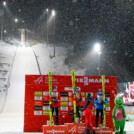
(11, 119)
(24, 63)
(7, 53)
(56, 64)
(13, 112)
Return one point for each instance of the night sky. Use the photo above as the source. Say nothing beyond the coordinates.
(81, 23)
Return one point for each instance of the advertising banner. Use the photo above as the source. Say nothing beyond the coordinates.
(37, 108)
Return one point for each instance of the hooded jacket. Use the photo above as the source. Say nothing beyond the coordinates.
(99, 103)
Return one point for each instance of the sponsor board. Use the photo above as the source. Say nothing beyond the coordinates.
(46, 112)
(39, 80)
(47, 108)
(38, 103)
(75, 128)
(107, 108)
(87, 80)
(108, 104)
(38, 93)
(64, 103)
(70, 99)
(54, 129)
(69, 93)
(64, 98)
(64, 94)
(37, 112)
(37, 107)
(108, 98)
(64, 108)
(45, 93)
(45, 102)
(37, 89)
(82, 93)
(37, 97)
(70, 103)
(83, 98)
(104, 131)
(68, 88)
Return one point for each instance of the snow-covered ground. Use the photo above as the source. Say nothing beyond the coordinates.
(56, 64)
(13, 112)
(7, 53)
(12, 117)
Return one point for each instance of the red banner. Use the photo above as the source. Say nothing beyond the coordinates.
(37, 108)
(55, 129)
(70, 128)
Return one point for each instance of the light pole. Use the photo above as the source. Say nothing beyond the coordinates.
(2, 27)
(99, 53)
(97, 48)
(47, 26)
(13, 25)
(53, 14)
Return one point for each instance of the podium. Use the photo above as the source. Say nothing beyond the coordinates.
(104, 130)
(70, 128)
(54, 129)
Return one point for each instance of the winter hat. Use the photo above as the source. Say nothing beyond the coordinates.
(54, 87)
(88, 94)
(100, 90)
(77, 88)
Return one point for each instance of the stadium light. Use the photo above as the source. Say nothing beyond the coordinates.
(53, 12)
(97, 47)
(5, 31)
(4, 3)
(15, 20)
(47, 9)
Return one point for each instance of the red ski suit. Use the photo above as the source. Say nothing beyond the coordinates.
(57, 96)
(88, 113)
(88, 117)
(77, 100)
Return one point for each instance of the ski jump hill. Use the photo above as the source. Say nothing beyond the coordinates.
(13, 112)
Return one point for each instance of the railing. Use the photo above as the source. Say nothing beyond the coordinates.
(37, 62)
(6, 91)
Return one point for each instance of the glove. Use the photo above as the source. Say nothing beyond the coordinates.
(102, 102)
(54, 98)
(56, 101)
(77, 99)
(50, 98)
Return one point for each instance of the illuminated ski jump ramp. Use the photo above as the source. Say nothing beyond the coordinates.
(13, 112)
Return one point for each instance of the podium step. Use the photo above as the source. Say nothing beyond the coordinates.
(70, 128)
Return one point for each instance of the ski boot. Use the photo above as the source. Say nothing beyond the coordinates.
(117, 132)
(87, 131)
(93, 132)
(96, 125)
(123, 132)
